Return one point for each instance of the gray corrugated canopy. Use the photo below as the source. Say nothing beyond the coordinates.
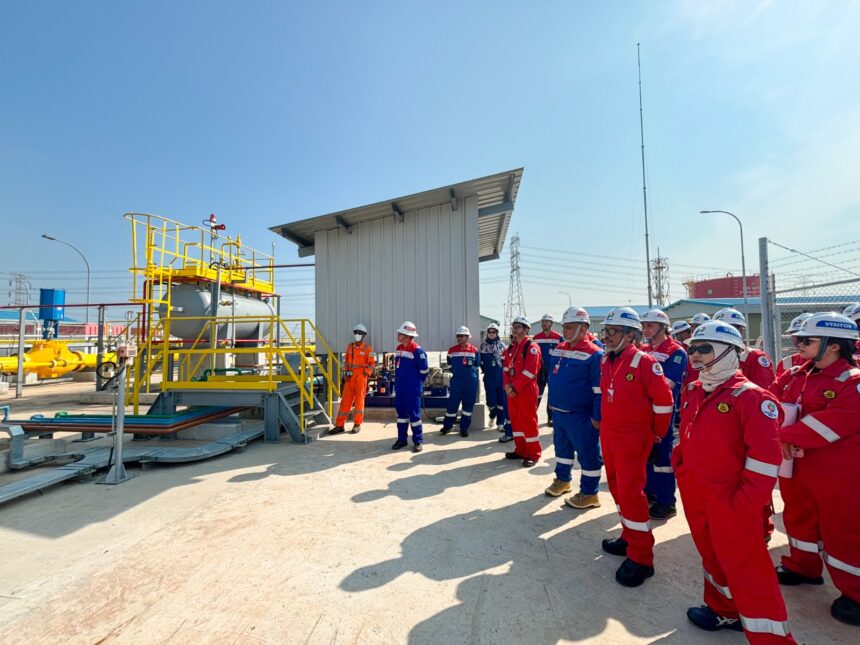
(496, 197)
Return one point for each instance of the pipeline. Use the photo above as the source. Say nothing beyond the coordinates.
(52, 359)
(147, 424)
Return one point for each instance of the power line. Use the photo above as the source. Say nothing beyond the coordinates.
(813, 258)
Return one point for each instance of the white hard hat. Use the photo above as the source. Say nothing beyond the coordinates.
(828, 325)
(731, 316)
(678, 326)
(463, 331)
(522, 320)
(718, 332)
(575, 315)
(656, 316)
(700, 319)
(408, 328)
(360, 328)
(547, 317)
(852, 307)
(492, 326)
(796, 322)
(623, 317)
(853, 312)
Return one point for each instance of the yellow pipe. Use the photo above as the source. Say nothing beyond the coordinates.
(52, 359)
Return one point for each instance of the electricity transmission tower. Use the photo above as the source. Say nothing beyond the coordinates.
(19, 294)
(515, 305)
(660, 270)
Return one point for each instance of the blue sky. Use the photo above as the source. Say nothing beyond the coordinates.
(266, 112)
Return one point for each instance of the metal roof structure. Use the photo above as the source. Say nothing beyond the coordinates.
(496, 195)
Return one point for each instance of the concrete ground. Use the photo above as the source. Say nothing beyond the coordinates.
(344, 540)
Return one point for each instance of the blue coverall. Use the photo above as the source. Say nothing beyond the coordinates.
(574, 398)
(410, 371)
(464, 386)
(494, 386)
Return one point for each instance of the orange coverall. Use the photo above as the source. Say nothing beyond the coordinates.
(357, 367)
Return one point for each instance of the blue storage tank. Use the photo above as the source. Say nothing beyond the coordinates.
(52, 304)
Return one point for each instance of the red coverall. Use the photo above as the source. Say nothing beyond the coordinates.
(726, 466)
(357, 366)
(794, 360)
(636, 409)
(757, 367)
(822, 507)
(521, 364)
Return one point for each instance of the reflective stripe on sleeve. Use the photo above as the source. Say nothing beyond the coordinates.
(743, 387)
(662, 409)
(723, 590)
(596, 390)
(839, 564)
(591, 473)
(663, 469)
(765, 626)
(802, 545)
(636, 526)
(821, 429)
(564, 460)
(761, 467)
(636, 358)
(847, 374)
(528, 374)
(424, 371)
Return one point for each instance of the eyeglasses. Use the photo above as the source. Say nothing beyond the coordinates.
(491, 331)
(609, 333)
(805, 340)
(702, 348)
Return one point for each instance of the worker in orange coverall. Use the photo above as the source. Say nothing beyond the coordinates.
(726, 466)
(357, 367)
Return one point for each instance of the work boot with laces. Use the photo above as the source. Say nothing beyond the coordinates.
(583, 500)
(557, 488)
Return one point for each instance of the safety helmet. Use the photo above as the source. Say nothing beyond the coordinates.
(678, 326)
(700, 319)
(463, 331)
(408, 328)
(522, 320)
(852, 307)
(359, 328)
(796, 322)
(656, 316)
(575, 315)
(828, 325)
(493, 326)
(719, 332)
(853, 312)
(731, 316)
(623, 317)
(547, 317)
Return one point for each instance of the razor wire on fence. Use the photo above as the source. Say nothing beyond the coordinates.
(826, 279)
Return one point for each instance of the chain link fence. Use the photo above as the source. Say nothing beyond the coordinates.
(825, 279)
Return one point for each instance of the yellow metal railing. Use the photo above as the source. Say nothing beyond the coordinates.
(289, 350)
(162, 246)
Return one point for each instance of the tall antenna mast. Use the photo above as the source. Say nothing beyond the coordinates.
(644, 189)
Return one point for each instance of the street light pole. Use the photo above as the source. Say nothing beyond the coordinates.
(84, 258)
(743, 266)
(569, 301)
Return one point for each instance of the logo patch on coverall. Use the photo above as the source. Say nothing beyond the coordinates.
(723, 407)
(829, 394)
(764, 361)
(657, 369)
(629, 377)
(769, 409)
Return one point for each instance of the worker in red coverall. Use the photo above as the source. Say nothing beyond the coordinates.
(521, 364)
(821, 480)
(726, 466)
(636, 409)
(792, 360)
(758, 368)
(357, 368)
(853, 312)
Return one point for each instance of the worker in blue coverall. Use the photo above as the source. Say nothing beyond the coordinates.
(463, 361)
(574, 398)
(491, 365)
(547, 339)
(672, 356)
(410, 371)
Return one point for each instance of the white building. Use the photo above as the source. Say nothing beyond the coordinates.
(409, 258)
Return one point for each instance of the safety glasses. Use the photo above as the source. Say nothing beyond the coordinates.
(609, 333)
(701, 348)
(805, 340)
(491, 332)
